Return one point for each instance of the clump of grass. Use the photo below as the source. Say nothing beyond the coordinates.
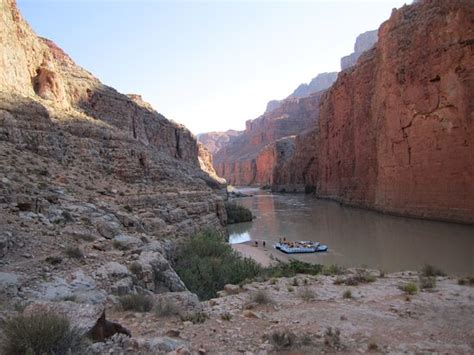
(54, 260)
(261, 297)
(427, 282)
(137, 303)
(237, 213)
(305, 281)
(291, 269)
(295, 282)
(166, 307)
(361, 276)
(226, 316)
(74, 252)
(466, 281)
(290, 288)
(41, 333)
(135, 268)
(273, 281)
(332, 338)
(128, 208)
(195, 317)
(84, 237)
(431, 271)
(409, 288)
(347, 294)
(306, 294)
(332, 270)
(339, 280)
(381, 274)
(282, 339)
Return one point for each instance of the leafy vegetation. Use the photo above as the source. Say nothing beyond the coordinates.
(431, 271)
(237, 213)
(41, 333)
(261, 297)
(347, 294)
(427, 282)
(206, 263)
(409, 288)
(466, 281)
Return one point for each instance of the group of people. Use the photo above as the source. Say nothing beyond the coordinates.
(263, 243)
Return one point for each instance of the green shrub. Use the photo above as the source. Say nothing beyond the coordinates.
(166, 307)
(329, 270)
(306, 294)
(292, 268)
(206, 263)
(137, 303)
(226, 316)
(260, 297)
(195, 317)
(38, 334)
(431, 271)
(237, 213)
(347, 294)
(74, 252)
(466, 281)
(409, 288)
(427, 282)
(135, 268)
(282, 339)
(332, 338)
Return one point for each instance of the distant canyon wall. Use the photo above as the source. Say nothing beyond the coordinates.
(395, 132)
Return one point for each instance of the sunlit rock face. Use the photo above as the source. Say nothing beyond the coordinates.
(395, 131)
(58, 111)
(364, 42)
(249, 158)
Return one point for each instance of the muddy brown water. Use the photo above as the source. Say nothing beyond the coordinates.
(357, 237)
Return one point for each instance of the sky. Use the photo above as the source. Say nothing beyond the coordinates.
(210, 65)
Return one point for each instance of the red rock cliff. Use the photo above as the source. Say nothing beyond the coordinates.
(249, 158)
(396, 131)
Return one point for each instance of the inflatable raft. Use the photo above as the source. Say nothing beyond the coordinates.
(300, 247)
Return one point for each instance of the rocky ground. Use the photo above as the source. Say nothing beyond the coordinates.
(378, 317)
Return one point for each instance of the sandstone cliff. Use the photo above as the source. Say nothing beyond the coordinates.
(363, 43)
(395, 132)
(213, 141)
(88, 172)
(249, 158)
(320, 82)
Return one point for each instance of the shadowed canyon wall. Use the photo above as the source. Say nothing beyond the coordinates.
(395, 131)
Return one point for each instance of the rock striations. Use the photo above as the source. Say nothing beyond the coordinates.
(91, 181)
(395, 131)
(249, 158)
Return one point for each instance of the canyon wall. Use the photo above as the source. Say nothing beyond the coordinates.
(249, 158)
(104, 140)
(395, 131)
(320, 82)
(363, 43)
(213, 141)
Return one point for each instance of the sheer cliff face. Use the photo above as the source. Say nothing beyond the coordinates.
(363, 43)
(213, 141)
(249, 158)
(395, 132)
(52, 108)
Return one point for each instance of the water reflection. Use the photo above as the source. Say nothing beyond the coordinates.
(359, 237)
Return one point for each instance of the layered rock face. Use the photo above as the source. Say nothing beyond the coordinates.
(87, 169)
(213, 141)
(206, 164)
(395, 132)
(363, 43)
(319, 83)
(249, 158)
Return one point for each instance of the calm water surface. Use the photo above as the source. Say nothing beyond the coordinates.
(357, 237)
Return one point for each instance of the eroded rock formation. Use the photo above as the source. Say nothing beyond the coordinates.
(363, 43)
(395, 131)
(249, 158)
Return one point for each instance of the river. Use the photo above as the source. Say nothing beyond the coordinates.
(356, 237)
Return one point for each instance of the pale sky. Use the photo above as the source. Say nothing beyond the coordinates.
(210, 65)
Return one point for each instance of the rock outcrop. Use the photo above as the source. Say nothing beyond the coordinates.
(213, 141)
(93, 183)
(321, 82)
(395, 131)
(363, 43)
(206, 164)
(249, 159)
